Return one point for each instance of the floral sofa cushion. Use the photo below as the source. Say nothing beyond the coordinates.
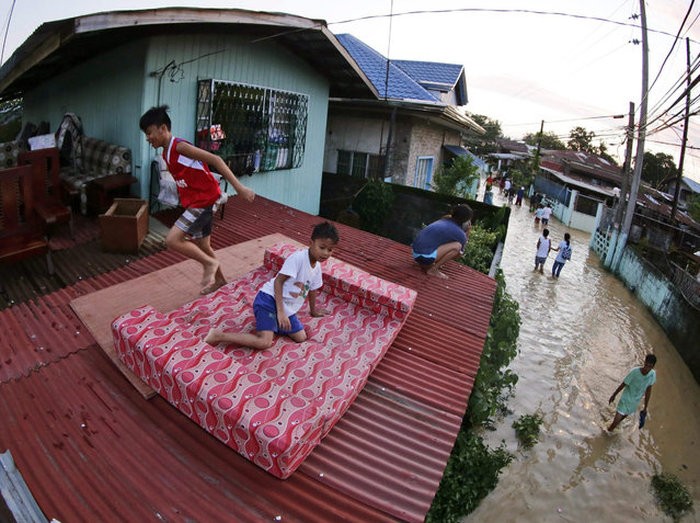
(9, 152)
(99, 159)
(272, 406)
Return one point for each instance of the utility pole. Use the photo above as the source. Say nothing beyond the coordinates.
(626, 168)
(641, 133)
(677, 189)
(639, 158)
(539, 145)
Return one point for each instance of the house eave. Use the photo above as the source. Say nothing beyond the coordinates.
(60, 45)
(446, 114)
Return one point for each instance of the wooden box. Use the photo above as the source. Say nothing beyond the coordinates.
(124, 226)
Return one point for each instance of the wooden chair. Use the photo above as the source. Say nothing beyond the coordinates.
(21, 229)
(48, 200)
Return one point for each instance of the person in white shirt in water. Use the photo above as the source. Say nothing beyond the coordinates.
(544, 245)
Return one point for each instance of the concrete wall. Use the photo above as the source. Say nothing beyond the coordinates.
(352, 133)
(574, 219)
(679, 320)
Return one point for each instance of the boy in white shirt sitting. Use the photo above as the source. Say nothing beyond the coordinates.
(279, 299)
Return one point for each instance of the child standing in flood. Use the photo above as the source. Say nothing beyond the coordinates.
(544, 244)
(198, 191)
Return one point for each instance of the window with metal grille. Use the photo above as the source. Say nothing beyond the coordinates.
(362, 165)
(252, 128)
(424, 173)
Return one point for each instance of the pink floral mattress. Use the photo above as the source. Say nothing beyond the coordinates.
(272, 406)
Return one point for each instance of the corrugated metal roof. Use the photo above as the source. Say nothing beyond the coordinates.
(91, 448)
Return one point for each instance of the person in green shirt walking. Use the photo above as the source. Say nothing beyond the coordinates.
(636, 384)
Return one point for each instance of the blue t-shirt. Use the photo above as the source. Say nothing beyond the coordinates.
(438, 233)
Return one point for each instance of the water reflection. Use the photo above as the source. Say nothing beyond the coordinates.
(580, 335)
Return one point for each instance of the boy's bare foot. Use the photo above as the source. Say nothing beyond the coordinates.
(439, 274)
(209, 272)
(213, 286)
(213, 337)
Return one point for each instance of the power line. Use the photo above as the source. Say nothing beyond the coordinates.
(673, 45)
(489, 10)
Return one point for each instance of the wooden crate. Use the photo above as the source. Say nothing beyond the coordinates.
(124, 226)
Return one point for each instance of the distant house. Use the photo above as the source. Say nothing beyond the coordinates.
(252, 87)
(415, 124)
(509, 151)
(688, 188)
(582, 184)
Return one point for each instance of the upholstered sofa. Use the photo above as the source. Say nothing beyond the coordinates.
(98, 159)
(9, 152)
(272, 406)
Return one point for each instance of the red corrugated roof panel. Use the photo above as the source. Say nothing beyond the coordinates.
(91, 448)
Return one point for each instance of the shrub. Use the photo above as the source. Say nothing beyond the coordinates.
(471, 473)
(373, 204)
(478, 253)
(527, 429)
(671, 495)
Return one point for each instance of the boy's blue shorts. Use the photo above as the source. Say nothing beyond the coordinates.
(265, 311)
(425, 259)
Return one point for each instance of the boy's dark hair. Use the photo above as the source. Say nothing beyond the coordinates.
(461, 213)
(155, 116)
(650, 360)
(326, 231)
(545, 233)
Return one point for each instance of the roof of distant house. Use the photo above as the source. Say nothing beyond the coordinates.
(408, 79)
(692, 184)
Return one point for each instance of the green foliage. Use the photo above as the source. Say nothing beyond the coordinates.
(672, 496)
(527, 429)
(482, 145)
(521, 178)
(494, 380)
(471, 473)
(657, 168)
(694, 207)
(472, 470)
(373, 204)
(478, 253)
(548, 140)
(581, 140)
(457, 178)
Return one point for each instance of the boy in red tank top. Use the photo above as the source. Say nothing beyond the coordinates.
(198, 190)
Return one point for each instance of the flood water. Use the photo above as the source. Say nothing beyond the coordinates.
(579, 336)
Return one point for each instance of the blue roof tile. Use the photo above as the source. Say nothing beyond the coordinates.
(431, 72)
(401, 85)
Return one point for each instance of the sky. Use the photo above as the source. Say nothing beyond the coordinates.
(568, 62)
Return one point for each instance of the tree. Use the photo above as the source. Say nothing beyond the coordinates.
(456, 179)
(549, 140)
(603, 153)
(581, 140)
(484, 144)
(658, 167)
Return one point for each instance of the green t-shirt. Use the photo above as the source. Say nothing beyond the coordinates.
(636, 385)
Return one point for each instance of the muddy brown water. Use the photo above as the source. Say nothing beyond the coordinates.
(579, 336)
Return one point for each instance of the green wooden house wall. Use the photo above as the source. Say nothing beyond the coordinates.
(111, 91)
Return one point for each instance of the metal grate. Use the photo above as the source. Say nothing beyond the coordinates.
(252, 128)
